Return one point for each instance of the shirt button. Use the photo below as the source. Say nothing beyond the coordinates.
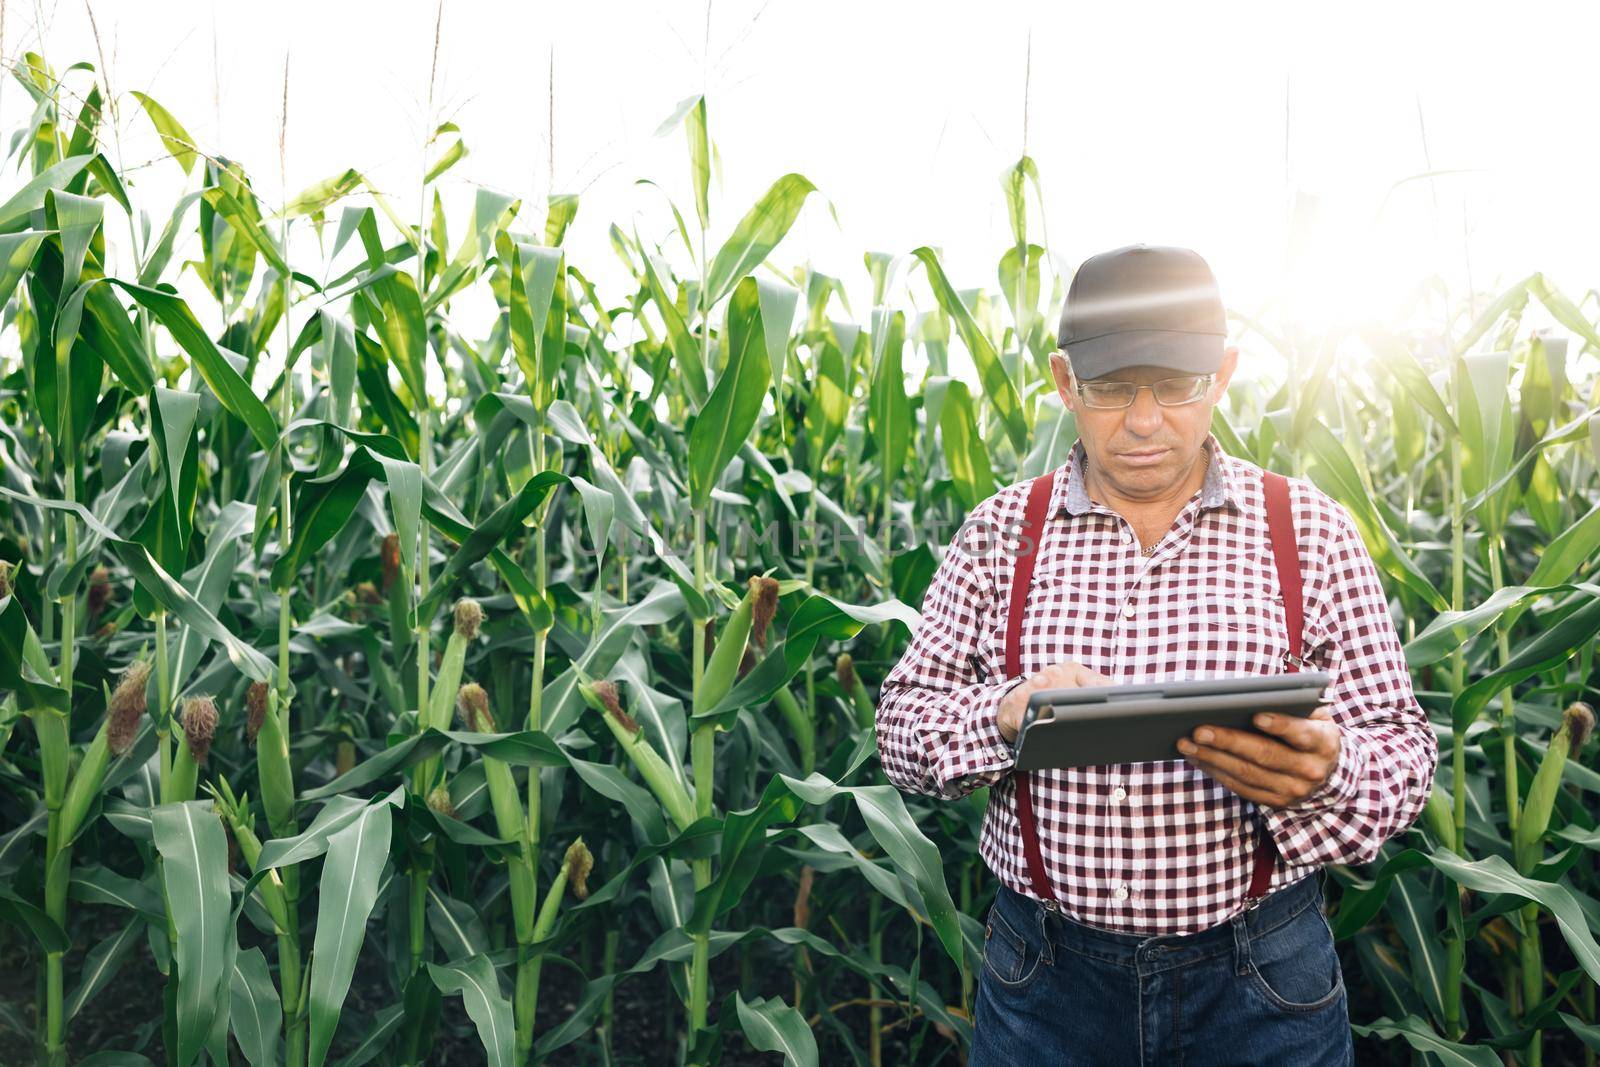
(1129, 610)
(1119, 794)
(1121, 893)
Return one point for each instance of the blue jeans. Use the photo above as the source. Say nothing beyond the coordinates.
(1263, 988)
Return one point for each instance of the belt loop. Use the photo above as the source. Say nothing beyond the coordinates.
(1048, 951)
(1241, 944)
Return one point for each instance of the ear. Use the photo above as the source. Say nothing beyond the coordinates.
(1230, 362)
(1061, 370)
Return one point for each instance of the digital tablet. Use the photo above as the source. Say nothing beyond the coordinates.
(1136, 723)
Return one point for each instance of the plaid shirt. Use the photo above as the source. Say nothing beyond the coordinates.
(1157, 848)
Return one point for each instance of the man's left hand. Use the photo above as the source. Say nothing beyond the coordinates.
(1284, 767)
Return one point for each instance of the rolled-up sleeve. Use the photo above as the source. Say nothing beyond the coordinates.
(1388, 751)
(938, 732)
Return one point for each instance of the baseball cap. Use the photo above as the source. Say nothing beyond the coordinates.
(1153, 305)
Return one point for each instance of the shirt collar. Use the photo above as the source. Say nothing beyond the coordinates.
(1218, 489)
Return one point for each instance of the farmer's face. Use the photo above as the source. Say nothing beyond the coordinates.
(1146, 451)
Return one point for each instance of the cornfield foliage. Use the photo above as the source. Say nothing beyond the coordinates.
(344, 650)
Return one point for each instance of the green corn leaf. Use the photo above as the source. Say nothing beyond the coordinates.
(348, 890)
(256, 1014)
(101, 963)
(891, 825)
(338, 814)
(375, 1037)
(171, 131)
(964, 449)
(890, 408)
(74, 219)
(839, 853)
(172, 419)
(1494, 875)
(778, 302)
(692, 112)
(774, 1026)
(321, 509)
(15, 212)
(724, 424)
(244, 216)
(685, 350)
(756, 235)
(209, 582)
(454, 153)
(25, 915)
(194, 852)
(997, 385)
(17, 251)
(402, 330)
(1420, 1035)
(1562, 309)
(162, 587)
(475, 980)
(29, 676)
(1451, 629)
(1554, 644)
(1576, 429)
(316, 198)
(456, 925)
(1512, 301)
(743, 844)
(1398, 360)
(1588, 1033)
(1415, 912)
(230, 388)
(99, 885)
(484, 539)
(1336, 474)
(538, 271)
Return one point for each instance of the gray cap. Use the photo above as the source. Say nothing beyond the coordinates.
(1150, 305)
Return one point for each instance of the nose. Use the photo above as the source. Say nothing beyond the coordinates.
(1143, 417)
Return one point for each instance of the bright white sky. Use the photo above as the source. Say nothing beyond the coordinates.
(1165, 123)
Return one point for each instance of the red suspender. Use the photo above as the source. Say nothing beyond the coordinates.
(1021, 577)
(1286, 558)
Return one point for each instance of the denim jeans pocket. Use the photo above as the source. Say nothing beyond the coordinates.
(1295, 967)
(1010, 956)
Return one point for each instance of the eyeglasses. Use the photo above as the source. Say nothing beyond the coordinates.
(1169, 392)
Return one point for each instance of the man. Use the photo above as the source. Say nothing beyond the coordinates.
(1160, 912)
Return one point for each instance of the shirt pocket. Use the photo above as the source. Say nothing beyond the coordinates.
(1237, 629)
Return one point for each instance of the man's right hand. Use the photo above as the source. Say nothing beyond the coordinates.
(1068, 674)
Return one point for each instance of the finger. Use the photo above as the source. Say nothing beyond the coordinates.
(1307, 735)
(1254, 748)
(1087, 676)
(1234, 785)
(1247, 771)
